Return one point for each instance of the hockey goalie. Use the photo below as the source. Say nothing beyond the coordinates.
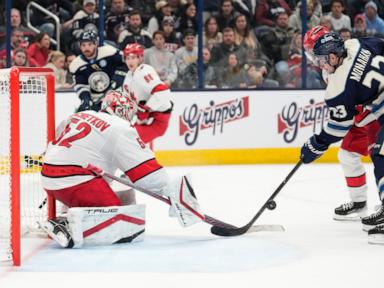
(97, 215)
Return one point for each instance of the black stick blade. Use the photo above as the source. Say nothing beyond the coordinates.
(228, 232)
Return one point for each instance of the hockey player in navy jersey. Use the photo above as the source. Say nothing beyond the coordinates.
(95, 71)
(356, 77)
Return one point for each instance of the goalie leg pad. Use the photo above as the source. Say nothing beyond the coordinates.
(106, 225)
(183, 202)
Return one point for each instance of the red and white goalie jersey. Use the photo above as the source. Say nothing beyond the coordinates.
(103, 140)
(145, 86)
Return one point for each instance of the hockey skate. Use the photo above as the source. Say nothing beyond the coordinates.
(373, 220)
(57, 229)
(351, 211)
(376, 235)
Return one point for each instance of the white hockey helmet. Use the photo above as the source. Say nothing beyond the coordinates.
(119, 104)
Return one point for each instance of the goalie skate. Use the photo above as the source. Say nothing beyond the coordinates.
(58, 230)
(351, 211)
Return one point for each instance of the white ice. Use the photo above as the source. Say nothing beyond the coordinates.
(314, 251)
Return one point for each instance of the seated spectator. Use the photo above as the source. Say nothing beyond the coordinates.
(233, 76)
(186, 54)
(84, 19)
(277, 45)
(338, 19)
(188, 19)
(360, 28)
(20, 58)
(221, 51)
(345, 34)
(189, 80)
(68, 60)
(326, 22)
(17, 42)
(173, 39)
(39, 50)
(163, 9)
(244, 7)
(226, 16)
(267, 10)
(161, 60)
(256, 76)
(16, 23)
(294, 63)
(211, 35)
(245, 37)
(146, 8)
(116, 19)
(56, 61)
(375, 25)
(135, 33)
(295, 18)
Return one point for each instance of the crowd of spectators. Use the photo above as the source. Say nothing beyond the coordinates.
(246, 43)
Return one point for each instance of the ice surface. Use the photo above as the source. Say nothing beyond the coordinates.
(314, 251)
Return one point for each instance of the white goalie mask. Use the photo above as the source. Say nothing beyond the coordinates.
(119, 104)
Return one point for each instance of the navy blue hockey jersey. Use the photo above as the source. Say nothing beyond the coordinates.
(96, 76)
(358, 81)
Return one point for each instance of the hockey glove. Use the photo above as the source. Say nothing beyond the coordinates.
(144, 115)
(312, 150)
(86, 104)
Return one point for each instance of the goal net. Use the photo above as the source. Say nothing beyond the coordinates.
(26, 125)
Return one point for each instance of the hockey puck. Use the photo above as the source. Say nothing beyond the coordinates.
(271, 205)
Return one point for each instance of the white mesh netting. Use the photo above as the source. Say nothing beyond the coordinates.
(33, 137)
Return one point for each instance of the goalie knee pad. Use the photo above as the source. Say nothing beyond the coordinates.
(184, 204)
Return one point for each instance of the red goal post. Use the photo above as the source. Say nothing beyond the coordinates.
(27, 124)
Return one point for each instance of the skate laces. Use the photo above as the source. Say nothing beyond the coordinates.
(377, 213)
(347, 206)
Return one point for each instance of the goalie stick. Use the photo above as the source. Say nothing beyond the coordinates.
(208, 219)
(270, 204)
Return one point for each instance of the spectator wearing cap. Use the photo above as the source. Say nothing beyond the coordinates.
(116, 19)
(211, 35)
(360, 27)
(295, 18)
(161, 60)
(338, 19)
(188, 18)
(375, 24)
(135, 33)
(84, 19)
(186, 54)
(163, 9)
(173, 39)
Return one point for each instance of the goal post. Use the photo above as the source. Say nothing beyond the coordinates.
(27, 124)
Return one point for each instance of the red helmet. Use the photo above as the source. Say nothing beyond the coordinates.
(120, 104)
(312, 35)
(135, 49)
(310, 39)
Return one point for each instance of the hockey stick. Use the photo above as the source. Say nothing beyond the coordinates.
(208, 219)
(270, 204)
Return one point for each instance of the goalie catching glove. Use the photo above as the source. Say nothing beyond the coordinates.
(312, 149)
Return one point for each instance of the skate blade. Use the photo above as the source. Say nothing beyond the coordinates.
(366, 228)
(266, 227)
(350, 217)
(376, 239)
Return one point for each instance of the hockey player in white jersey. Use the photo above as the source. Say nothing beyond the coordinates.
(153, 96)
(105, 140)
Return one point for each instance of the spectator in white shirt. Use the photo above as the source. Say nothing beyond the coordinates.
(338, 19)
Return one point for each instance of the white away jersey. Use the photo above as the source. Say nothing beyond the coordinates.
(100, 139)
(146, 87)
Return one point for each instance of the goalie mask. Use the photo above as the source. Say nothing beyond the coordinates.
(119, 104)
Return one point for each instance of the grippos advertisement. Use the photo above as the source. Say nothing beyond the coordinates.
(243, 119)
